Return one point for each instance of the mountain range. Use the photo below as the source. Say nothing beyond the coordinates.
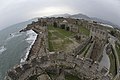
(82, 16)
(76, 16)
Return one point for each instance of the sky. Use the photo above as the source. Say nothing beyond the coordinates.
(15, 11)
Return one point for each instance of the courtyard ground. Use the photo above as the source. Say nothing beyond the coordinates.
(60, 39)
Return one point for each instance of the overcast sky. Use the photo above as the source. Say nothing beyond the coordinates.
(14, 11)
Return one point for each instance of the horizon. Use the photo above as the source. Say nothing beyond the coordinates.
(13, 11)
(52, 16)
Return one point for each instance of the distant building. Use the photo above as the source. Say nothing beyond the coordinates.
(68, 26)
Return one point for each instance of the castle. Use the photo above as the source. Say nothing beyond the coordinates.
(44, 65)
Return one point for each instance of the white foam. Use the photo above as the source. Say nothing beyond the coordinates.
(31, 39)
(2, 49)
(12, 35)
(31, 36)
(107, 25)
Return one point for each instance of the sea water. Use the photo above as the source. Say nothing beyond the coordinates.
(14, 46)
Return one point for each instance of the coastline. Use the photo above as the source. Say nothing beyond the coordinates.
(32, 37)
(37, 48)
(37, 45)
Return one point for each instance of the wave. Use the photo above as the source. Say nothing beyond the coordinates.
(2, 49)
(12, 35)
(31, 39)
(31, 36)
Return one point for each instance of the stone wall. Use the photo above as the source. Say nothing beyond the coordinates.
(83, 68)
(80, 48)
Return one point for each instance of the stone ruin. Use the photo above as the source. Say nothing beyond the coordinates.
(43, 65)
(59, 65)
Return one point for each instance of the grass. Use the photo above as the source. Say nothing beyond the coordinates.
(87, 48)
(83, 50)
(50, 43)
(58, 39)
(60, 45)
(67, 41)
(84, 31)
(64, 32)
(58, 35)
(113, 66)
(50, 27)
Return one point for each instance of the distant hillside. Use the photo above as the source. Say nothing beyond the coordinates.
(82, 16)
(61, 15)
(76, 16)
(104, 22)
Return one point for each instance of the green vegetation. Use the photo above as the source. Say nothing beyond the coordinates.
(58, 39)
(61, 31)
(71, 77)
(84, 31)
(50, 27)
(50, 43)
(64, 32)
(86, 50)
(59, 35)
(113, 66)
(61, 45)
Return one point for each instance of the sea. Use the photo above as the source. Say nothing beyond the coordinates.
(15, 46)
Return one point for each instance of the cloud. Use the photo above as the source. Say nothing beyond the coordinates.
(47, 11)
(14, 11)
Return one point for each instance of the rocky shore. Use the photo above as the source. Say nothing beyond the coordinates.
(38, 48)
